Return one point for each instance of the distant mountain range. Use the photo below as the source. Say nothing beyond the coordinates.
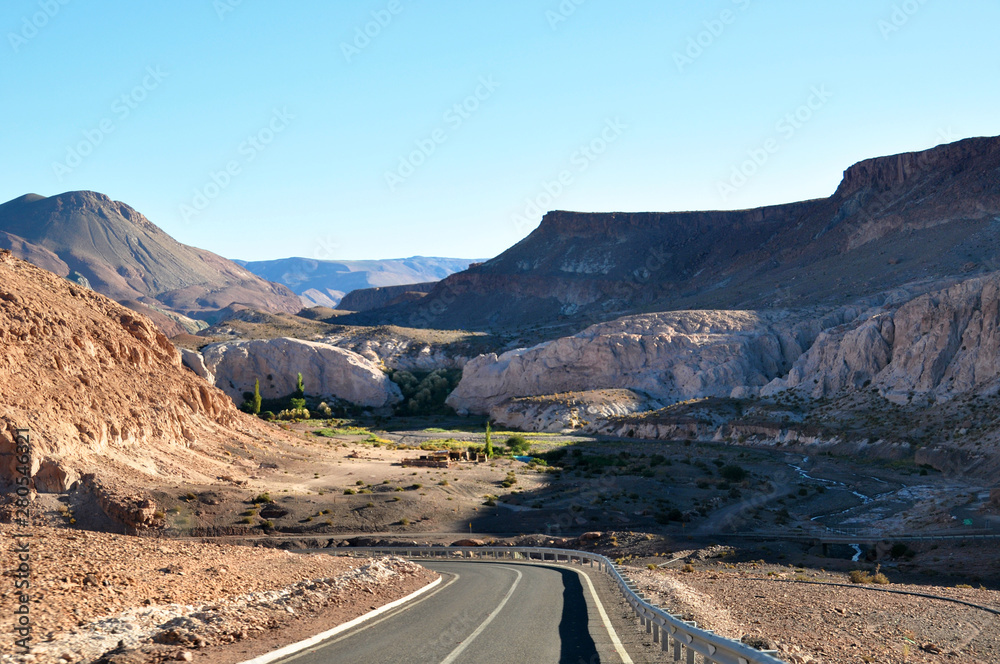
(324, 283)
(110, 247)
(903, 219)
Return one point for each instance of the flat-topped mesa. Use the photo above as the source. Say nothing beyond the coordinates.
(899, 220)
(618, 224)
(884, 173)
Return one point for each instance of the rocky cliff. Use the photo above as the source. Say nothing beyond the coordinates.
(126, 257)
(668, 356)
(906, 375)
(327, 371)
(103, 391)
(893, 220)
(932, 348)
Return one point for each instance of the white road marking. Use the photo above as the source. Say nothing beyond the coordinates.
(369, 625)
(619, 648)
(472, 637)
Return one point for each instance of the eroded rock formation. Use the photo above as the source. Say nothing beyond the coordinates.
(103, 391)
(327, 371)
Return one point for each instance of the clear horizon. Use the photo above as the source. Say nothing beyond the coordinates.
(387, 128)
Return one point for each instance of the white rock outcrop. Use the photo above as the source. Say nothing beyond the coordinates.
(568, 412)
(195, 361)
(930, 348)
(327, 371)
(669, 356)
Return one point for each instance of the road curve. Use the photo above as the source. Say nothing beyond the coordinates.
(483, 613)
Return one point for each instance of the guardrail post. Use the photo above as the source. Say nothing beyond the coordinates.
(677, 649)
(690, 655)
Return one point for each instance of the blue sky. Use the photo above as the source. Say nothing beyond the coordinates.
(262, 130)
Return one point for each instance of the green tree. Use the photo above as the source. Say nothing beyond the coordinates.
(518, 445)
(300, 388)
(255, 402)
(489, 441)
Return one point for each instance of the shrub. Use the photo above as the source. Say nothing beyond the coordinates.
(262, 498)
(349, 492)
(733, 473)
(404, 521)
(861, 576)
(266, 524)
(518, 444)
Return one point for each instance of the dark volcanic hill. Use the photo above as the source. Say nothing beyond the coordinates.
(893, 220)
(365, 299)
(126, 257)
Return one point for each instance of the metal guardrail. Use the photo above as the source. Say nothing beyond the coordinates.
(672, 632)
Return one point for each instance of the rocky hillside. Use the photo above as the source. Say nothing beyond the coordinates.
(123, 255)
(905, 375)
(103, 392)
(894, 220)
(325, 282)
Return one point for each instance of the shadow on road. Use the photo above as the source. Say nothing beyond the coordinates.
(574, 628)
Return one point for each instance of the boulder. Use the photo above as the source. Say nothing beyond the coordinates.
(327, 371)
(570, 411)
(468, 542)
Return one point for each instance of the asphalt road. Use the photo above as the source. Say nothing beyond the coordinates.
(483, 613)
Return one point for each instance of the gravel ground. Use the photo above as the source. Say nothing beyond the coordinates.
(144, 600)
(830, 624)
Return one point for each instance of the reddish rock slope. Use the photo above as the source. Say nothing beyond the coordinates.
(103, 391)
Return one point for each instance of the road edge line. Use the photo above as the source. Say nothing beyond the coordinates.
(274, 655)
(615, 641)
